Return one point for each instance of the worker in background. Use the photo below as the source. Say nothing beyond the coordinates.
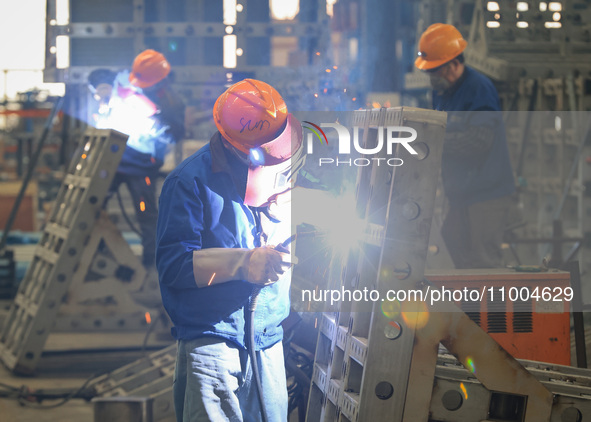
(142, 105)
(218, 244)
(476, 170)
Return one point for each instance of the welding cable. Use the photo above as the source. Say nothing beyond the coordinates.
(125, 216)
(282, 247)
(24, 394)
(252, 305)
(65, 399)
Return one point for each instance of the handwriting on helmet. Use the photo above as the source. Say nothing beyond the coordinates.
(250, 126)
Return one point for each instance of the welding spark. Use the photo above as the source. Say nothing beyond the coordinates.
(211, 279)
(148, 318)
(463, 388)
(148, 181)
(142, 206)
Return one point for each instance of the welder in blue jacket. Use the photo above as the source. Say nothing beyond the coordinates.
(217, 243)
(476, 170)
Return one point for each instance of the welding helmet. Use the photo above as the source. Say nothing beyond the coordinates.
(252, 117)
(439, 44)
(149, 68)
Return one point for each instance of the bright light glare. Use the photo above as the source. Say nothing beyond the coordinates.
(330, 7)
(543, 6)
(553, 25)
(230, 51)
(522, 6)
(230, 15)
(555, 6)
(557, 123)
(333, 216)
(492, 6)
(62, 12)
(353, 48)
(133, 117)
(556, 16)
(62, 52)
(284, 9)
(257, 157)
(522, 24)
(16, 81)
(493, 24)
(470, 365)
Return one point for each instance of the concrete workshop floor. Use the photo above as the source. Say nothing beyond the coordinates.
(63, 367)
(68, 361)
(68, 371)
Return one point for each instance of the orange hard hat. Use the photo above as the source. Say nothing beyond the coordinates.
(149, 68)
(249, 114)
(439, 44)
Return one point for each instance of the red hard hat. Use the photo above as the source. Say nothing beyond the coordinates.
(249, 114)
(253, 118)
(149, 68)
(439, 44)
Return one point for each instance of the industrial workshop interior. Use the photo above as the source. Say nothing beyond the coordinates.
(295, 210)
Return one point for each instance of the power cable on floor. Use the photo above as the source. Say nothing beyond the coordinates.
(23, 395)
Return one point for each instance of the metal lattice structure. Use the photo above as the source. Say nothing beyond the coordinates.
(569, 386)
(191, 34)
(58, 254)
(100, 296)
(363, 358)
(150, 377)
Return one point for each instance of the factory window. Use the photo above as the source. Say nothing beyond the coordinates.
(492, 6)
(284, 9)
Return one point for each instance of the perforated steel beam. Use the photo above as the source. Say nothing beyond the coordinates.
(58, 254)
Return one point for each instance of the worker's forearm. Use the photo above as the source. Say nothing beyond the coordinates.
(261, 265)
(219, 265)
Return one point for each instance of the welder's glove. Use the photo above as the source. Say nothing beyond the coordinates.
(261, 265)
(265, 265)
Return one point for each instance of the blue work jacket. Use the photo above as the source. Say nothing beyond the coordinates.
(201, 207)
(474, 102)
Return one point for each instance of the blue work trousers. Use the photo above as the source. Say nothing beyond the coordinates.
(214, 382)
